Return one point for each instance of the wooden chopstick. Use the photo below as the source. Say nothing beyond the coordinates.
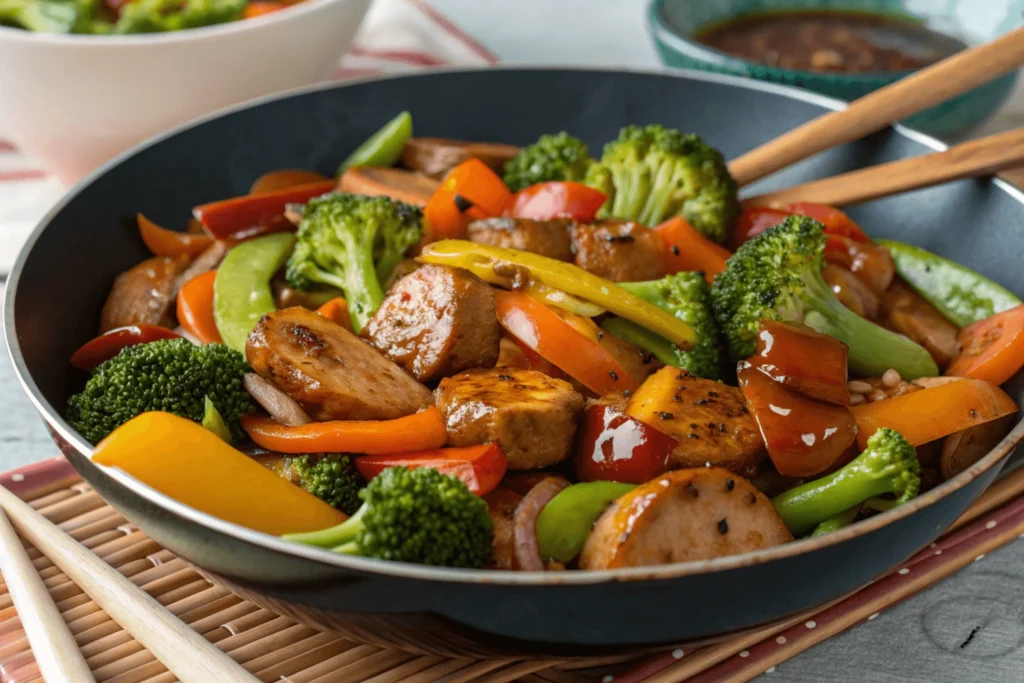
(186, 654)
(53, 646)
(937, 83)
(983, 156)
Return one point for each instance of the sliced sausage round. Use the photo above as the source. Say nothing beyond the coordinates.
(618, 251)
(437, 321)
(682, 516)
(144, 294)
(330, 372)
(532, 416)
(547, 238)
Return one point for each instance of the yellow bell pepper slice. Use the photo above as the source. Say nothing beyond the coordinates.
(522, 268)
(189, 463)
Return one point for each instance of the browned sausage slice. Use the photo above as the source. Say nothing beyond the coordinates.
(547, 238)
(710, 420)
(617, 251)
(437, 321)
(532, 416)
(404, 186)
(502, 503)
(333, 374)
(682, 516)
(904, 311)
(436, 156)
(144, 294)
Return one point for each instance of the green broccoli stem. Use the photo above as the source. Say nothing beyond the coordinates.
(873, 349)
(332, 537)
(362, 288)
(837, 522)
(627, 330)
(803, 507)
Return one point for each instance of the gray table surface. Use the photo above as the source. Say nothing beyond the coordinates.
(928, 638)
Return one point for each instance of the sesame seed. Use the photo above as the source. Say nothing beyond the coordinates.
(891, 378)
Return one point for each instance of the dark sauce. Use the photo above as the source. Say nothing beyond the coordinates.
(840, 42)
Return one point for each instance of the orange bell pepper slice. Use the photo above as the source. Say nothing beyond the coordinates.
(195, 308)
(164, 242)
(688, 250)
(558, 342)
(272, 181)
(556, 199)
(992, 349)
(935, 412)
(107, 345)
(806, 361)
(470, 191)
(480, 468)
(416, 432)
(240, 216)
(191, 464)
(257, 8)
(337, 310)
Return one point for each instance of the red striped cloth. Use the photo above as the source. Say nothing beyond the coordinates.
(397, 36)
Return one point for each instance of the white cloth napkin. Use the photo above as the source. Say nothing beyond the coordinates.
(397, 35)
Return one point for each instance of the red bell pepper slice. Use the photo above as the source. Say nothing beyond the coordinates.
(616, 447)
(109, 344)
(688, 250)
(803, 437)
(806, 361)
(754, 221)
(470, 191)
(555, 199)
(239, 216)
(480, 468)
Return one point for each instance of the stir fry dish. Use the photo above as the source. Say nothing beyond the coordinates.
(469, 354)
(106, 17)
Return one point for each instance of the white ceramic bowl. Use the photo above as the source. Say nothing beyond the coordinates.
(72, 101)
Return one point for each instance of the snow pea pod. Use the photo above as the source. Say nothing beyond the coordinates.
(959, 293)
(383, 148)
(565, 522)
(241, 291)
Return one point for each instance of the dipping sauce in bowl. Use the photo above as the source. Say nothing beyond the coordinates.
(844, 42)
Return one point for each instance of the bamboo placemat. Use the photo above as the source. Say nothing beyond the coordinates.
(276, 648)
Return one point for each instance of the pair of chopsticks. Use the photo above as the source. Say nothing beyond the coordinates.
(185, 653)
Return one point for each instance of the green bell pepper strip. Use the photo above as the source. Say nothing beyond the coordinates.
(241, 290)
(629, 331)
(383, 148)
(213, 421)
(564, 276)
(959, 293)
(565, 522)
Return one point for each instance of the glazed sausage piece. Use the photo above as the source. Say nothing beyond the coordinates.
(710, 420)
(501, 504)
(617, 251)
(532, 416)
(547, 238)
(435, 322)
(905, 312)
(330, 372)
(436, 156)
(681, 516)
(144, 294)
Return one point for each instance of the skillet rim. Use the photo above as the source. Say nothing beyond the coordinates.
(475, 576)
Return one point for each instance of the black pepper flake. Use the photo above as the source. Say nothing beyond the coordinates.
(730, 484)
(751, 498)
(712, 425)
(691, 435)
(692, 490)
(665, 416)
(623, 239)
(721, 427)
(703, 401)
(505, 378)
(677, 398)
(461, 203)
(675, 250)
(680, 376)
(613, 375)
(693, 425)
(713, 394)
(600, 334)
(723, 527)
(973, 413)
(648, 358)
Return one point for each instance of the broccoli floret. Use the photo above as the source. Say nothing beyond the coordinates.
(653, 173)
(777, 276)
(552, 157)
(887, 465)
(331, 477)
(353, 243)
(417, 515)
(687, 297)
(171, 375)
(156, 16)
(57, 16)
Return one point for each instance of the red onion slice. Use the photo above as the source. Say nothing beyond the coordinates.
(280, 405)
(524, 522)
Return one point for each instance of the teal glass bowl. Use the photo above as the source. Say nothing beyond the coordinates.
(674, 23)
